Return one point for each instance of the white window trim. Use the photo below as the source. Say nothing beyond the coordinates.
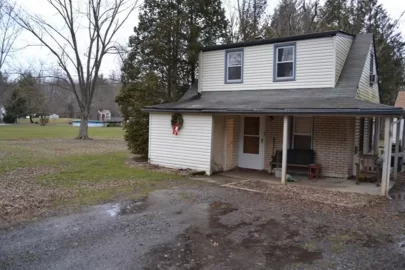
(276, 62)
(227, 80)
(311, 134)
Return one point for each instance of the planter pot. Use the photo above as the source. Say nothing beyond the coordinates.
(277, 172)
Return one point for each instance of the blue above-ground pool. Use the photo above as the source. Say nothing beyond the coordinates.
(91, 123)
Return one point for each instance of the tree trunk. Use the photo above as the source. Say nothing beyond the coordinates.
(32, 122)
(84, 128)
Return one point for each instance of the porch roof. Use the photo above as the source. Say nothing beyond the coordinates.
(281, 101)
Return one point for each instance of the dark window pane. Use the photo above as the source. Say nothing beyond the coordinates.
(252, 126)
(302, 142)
(251, 145)
(234, 73)
(284, 70)
(285, 54)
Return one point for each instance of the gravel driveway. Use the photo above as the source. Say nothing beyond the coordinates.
(210, 227)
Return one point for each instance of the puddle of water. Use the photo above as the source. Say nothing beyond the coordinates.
(125, 208)
(132, 207)
(401, 245)
(113, 210)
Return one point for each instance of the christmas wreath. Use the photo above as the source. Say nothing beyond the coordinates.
(177, 123)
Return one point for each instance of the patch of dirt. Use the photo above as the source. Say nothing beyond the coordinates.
(20, 194)
(264, 245)
(298, 192)
(141, 163)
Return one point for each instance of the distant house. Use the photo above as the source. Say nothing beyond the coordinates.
(2, 113)
(313, 98)
(104, 115)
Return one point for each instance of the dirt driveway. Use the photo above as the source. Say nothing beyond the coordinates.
(210, 227)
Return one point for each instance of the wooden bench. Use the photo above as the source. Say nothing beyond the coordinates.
(368, 167)
(295, 158)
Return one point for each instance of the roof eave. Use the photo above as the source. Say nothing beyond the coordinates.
(335, 111)
(274, 40)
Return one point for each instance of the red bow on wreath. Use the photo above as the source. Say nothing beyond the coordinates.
(176, 128)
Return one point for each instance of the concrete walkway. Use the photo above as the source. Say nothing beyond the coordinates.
(332, 184)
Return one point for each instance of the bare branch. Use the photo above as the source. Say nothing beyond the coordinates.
(102, 19)
(9, 31)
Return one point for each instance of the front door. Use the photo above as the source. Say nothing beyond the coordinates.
(251, 153)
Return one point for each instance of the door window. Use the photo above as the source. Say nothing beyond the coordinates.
(251, 135)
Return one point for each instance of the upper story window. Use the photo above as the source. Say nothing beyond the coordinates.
(284, 62)
(234, 66)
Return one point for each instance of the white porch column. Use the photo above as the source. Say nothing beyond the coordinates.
(398, 124)
(284, 159)
(385, 178)
(403, 133)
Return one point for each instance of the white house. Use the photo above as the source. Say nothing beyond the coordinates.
(287, 102)
(2, 113)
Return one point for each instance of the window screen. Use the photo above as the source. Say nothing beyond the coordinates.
(302, 138)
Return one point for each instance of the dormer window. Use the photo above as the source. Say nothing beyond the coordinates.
(234, 66)
(284, 62)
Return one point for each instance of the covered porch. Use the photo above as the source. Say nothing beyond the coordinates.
(337, 141)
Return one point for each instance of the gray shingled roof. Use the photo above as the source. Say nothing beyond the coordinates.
(337, 100)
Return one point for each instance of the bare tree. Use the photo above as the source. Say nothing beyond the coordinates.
(9, 31)
(80, 56)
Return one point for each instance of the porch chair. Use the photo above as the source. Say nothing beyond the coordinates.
(368, 166)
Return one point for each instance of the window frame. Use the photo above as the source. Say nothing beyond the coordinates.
(275, 62)
(302, 134)
(226, 80)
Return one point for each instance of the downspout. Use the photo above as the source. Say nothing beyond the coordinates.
(200, 73)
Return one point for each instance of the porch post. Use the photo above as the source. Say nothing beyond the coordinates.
(377, 134)
(403, 133)
(284, 160)
(398, 124)
(387, 158)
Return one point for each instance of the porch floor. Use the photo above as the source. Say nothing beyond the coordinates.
(332, 184)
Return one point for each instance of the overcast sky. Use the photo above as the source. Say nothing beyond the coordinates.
(37, 55)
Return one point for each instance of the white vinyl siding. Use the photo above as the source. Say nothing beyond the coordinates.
(191, 149)
(218, 141)
(342, 44)
(314, 67)
(365, 91)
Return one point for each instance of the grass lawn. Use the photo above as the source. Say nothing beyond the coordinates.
(44, 167)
